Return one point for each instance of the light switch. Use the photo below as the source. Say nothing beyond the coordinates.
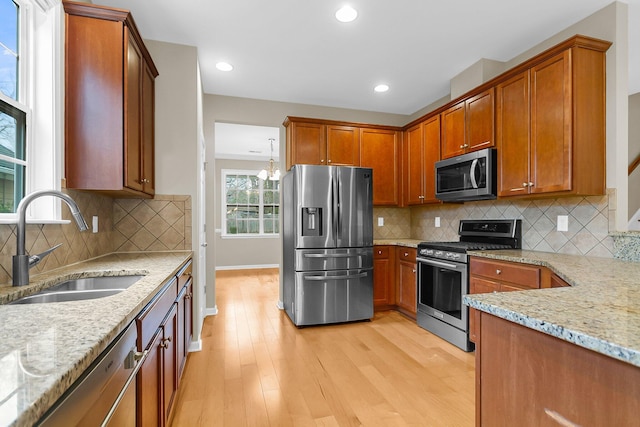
(563, 223)
(380, 221)
(437, 221)
(94, 224)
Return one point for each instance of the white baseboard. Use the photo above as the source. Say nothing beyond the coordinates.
(211, 311)
(246, 267)
(195, 346)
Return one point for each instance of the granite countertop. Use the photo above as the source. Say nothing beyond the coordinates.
(45, 347)
(600, 311)
(410, 243)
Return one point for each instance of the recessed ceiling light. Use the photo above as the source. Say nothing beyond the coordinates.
(224, 66)
(346, 14)
(381, 88)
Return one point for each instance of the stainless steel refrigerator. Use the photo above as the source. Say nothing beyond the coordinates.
(327, 225)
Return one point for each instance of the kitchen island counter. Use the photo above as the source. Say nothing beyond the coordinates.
(409, 243)
(600, 311)
(46, 347)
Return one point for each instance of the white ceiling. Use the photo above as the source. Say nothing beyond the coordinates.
(296, 51)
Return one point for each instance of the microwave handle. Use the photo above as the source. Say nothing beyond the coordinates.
(474, 165)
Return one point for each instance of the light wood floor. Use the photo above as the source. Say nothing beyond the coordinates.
(257, 369)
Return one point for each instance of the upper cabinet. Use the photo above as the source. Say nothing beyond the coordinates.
(325, 142)
(551, 123)
(421, 152)
(317, 142)
(380, 150)
(468, 125)
(109, 103)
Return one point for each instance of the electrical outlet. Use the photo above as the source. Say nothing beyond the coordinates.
(380, 221)
(563, 223)
(94, 224)
(437, 221)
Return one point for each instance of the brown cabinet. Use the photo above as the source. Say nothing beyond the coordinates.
(380, 150)
(164, 330)
(406, 298)
(551, 124)
(383, 277)
(468, 125)
(319, 142)
(527, 378)
(109, 103)
(421, 152)
(487, 275)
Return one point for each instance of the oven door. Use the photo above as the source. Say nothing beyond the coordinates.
(441, 285)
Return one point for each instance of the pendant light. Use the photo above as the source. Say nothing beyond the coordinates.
(272, 171)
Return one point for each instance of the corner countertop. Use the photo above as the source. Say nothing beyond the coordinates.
(600, 311)
(409, 243)
(45, 347)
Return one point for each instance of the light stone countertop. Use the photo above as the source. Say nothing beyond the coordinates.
(410, 243)
(45, 347)
(600, 311)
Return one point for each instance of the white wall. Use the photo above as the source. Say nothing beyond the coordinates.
(634, 151)
(176, 136)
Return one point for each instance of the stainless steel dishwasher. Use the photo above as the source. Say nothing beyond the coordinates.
(106, 393)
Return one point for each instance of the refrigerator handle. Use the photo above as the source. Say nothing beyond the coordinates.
(335, 199)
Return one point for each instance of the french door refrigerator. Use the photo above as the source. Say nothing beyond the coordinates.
(327, 225)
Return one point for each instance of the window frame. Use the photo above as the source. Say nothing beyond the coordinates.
(223, 203)
(41, 56)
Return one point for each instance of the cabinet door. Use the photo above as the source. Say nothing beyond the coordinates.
(480, 121)
(308, 144)
(478, 286)
(379, 151)
(413, 166)
(148, 384)
(551, 125)
(431, 134)
(148, 131)
(513, 118)
(383, 280)
(133, 90)
(169, 346)
(343, 146)
(453, 131)
(407, 287)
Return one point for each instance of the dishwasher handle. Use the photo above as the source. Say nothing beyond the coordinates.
(135, 355)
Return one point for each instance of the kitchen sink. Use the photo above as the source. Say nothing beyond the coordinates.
(82, 289)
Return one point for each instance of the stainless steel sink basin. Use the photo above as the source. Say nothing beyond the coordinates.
(81, 289)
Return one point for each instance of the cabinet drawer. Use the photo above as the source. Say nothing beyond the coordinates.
(154, 313)
(482, 286)
(407, 254)
(184, 274)
(381, 252)
(526, 276)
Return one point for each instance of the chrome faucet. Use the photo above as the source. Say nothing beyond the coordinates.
(23, 262)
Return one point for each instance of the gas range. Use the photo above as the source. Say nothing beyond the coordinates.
(476, 235)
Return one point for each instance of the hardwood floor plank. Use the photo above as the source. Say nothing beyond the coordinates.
(257, 369)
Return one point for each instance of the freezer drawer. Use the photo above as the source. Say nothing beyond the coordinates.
(333, 259)
(332, 297)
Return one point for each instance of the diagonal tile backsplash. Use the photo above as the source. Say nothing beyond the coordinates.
(588, 234)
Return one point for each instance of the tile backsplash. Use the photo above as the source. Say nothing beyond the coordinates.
(588, 232)
(163, 223)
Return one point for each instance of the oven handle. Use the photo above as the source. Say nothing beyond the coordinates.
(440, 263)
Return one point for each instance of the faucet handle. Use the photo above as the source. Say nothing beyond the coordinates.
(35, 259)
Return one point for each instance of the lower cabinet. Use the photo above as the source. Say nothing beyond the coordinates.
(164, 330)
(528, 378)
(384, 282)
(407, 288)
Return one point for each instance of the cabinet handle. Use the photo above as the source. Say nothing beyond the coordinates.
(165, 342)
(144, 181)
(498, 271)
(188, 296)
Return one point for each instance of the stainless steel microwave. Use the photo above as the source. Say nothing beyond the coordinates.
(468, 177)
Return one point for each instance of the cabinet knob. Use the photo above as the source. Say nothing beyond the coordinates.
(322, 161)
(498, 271)
(531, 184)
(525, 184)
(379, 252)
(406, 254)
(144, 181)
(414, 270)
(329, 161)
(420, 197)
(462, 146)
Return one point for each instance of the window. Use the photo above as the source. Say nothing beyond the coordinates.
(250, 205)
(13, 113)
